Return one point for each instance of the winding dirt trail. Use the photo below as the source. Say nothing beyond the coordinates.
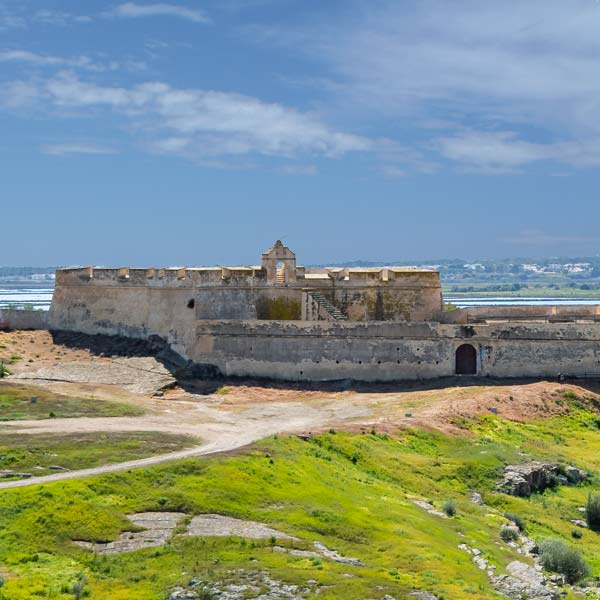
(221, 430)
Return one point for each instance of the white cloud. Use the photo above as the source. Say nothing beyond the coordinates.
(132, 10)
(496, 152)
(64, 149)
(493, 58)
(199, 124)
(526, 69)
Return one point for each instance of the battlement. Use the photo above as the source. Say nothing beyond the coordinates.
(276, 289)
(197, 277)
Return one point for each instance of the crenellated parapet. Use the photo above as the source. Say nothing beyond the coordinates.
(274, 290)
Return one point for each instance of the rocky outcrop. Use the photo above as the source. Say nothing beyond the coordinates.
(524, 480)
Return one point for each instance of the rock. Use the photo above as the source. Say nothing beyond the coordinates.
(574, 475)
(57, 468)
(523, 480)
(423, 595)
(579, 522)
(9, 474)
(524, 581)
(429, 508)
(475, 498)
(333, 555)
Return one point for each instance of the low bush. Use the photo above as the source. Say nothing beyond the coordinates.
(449, 507)
(509, 533)
(516, 519)
(592, 512)
(576, 534)
(557, 556)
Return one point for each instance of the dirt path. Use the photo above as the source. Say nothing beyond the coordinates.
(222, 430)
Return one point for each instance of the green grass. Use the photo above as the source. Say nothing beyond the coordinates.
(36, 453)
(352, 492)
(16, 404)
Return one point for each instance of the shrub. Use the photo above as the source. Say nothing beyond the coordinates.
(4, 372)
(509, 533)
(592, 512)
(449, 507)
(557, 556)
(576, 534)
(516, 519)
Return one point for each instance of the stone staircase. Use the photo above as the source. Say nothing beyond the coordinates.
(280, 275)
(326, 304)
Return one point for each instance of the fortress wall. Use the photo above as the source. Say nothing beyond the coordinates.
(11, 318)
(243, 293)
(124, 310)
(324, 350)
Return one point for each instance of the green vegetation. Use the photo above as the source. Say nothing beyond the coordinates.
(45, 453)
(517, 520)
(354, 493)
(4, 372)
(18, 402)
(510, 533)
(592, 512)
(449, 507)
(556, 556)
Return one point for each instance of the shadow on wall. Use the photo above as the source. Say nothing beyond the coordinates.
(206, 379)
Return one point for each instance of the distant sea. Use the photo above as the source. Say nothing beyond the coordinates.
(40, 298)
(466, 302)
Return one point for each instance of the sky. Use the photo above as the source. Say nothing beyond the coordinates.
(199, 132)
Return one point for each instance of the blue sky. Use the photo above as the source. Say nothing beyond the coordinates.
(198, 132)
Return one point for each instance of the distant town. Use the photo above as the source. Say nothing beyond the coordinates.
(560, 277)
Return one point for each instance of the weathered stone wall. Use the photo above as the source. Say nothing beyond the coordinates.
(244, 293)
(23, 319)
(324, 350)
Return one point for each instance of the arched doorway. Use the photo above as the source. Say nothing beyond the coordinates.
(466, 360)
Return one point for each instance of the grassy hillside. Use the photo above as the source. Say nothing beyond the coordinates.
(352, 492)
(45, 453)
(16, 404)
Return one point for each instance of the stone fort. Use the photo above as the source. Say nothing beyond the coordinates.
(283, 321)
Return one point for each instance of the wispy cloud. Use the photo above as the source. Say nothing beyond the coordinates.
(76, 148)
(53, 17)
(525, 69)
(194, 123)
(496, 152)
(132, 10)
(80, 62)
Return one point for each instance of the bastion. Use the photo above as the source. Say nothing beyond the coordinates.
(283, 321)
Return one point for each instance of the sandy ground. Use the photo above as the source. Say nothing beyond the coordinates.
(230, 414)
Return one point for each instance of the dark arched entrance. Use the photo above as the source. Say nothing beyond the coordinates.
(466, 360)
